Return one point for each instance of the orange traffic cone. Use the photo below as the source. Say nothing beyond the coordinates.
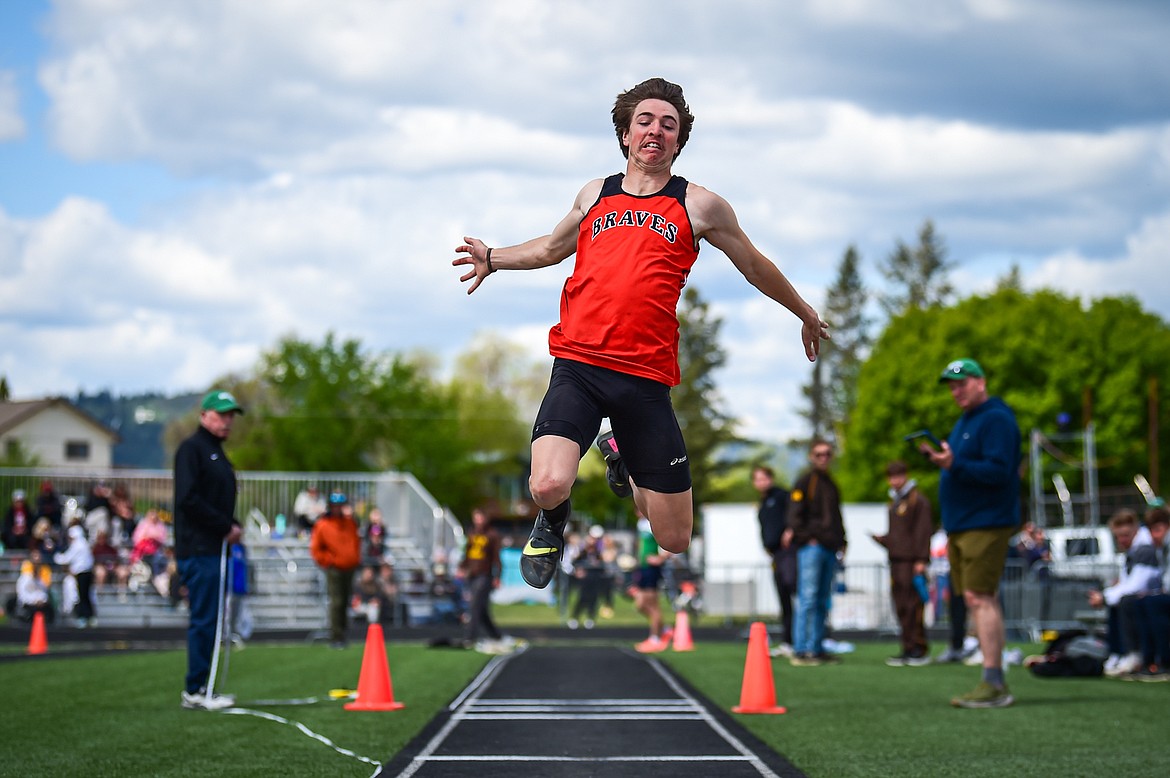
(38, 643)
(759, 689)
(374, 691)
(682, 632)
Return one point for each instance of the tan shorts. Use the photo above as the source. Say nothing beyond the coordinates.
(977, 558)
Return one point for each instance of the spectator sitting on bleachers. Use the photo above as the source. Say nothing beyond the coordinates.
(366, 602)
(376, 594)
(49, 504)
(307, 508)
(18, 521)
(1140, 575)
(123, 519)
(97, 513)
(108, 566)
(33, 593)
(388, 591)
(447, 602)
(44, 539)
(374, 537)
(148, 543)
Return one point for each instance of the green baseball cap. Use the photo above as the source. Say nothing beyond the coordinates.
(960, 369)
(221, 402)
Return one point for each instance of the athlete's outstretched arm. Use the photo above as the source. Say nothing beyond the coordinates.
(538, 252)
(715, 220)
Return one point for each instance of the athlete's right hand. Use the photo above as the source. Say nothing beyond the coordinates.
(476, 256)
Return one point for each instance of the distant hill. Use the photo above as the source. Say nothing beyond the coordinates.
(140, 421)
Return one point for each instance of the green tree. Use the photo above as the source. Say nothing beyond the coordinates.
(15, 454)
(332, 407)
(832, 390)
(697, 402)
(1044, 353)
(498, 390)
(918, 274)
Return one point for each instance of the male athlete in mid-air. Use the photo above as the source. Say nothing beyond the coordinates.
(615, 347)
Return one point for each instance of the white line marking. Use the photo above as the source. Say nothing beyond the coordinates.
(572, 701)
(470, 694)
(656, 758)
(305, 730)
(585, 717)
(471, 706)
(731, 739)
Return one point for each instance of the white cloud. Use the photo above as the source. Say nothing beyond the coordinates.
(12, 125)
(340, 151)
(1139, 272)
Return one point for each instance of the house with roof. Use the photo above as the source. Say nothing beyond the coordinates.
(57, 433)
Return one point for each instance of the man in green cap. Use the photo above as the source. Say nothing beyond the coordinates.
(205, 506)
(979, 495)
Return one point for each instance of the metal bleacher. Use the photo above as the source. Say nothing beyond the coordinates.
(286, 588)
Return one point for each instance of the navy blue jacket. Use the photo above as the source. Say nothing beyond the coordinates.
(981, 490)
(773, 518)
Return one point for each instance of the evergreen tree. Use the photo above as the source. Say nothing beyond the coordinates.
(832, 390)
(918, 274)
(697, 402)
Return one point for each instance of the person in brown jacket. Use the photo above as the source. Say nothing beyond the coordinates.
(907, 541)
(816, 529)
(337, 549)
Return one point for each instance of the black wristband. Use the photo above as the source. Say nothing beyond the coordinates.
(489, 262)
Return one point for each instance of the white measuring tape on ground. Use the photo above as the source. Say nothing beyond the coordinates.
(305, 730)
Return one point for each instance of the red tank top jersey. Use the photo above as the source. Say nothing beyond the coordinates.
(619, 307)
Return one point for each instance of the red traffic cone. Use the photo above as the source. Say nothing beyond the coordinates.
(38, 642)
(374, 691)
(759, 689)
(682, 632)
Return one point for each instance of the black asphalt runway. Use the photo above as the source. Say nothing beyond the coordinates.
(584, 711)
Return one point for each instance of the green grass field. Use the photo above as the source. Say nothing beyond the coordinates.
(119, 714)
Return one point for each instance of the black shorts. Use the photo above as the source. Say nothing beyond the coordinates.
(579, 396)
(648, 577)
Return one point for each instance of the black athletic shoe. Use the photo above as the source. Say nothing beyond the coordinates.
(615, 469)
(542, 552)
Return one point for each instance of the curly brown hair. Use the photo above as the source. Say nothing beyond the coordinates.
(652, 89)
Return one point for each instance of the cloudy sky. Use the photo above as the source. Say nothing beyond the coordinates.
(181, 184)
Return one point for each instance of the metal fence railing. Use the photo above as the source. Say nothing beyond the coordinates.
(1033, 599)
(410, 513)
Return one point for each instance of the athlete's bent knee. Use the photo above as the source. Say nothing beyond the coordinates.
(549, 492)
(674, 542)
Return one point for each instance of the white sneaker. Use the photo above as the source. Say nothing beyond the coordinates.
(588, 624)
(783, 649)
(975, 658)
(1111, 662)
(1127, 664)
(572, 624)
(203, 701)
